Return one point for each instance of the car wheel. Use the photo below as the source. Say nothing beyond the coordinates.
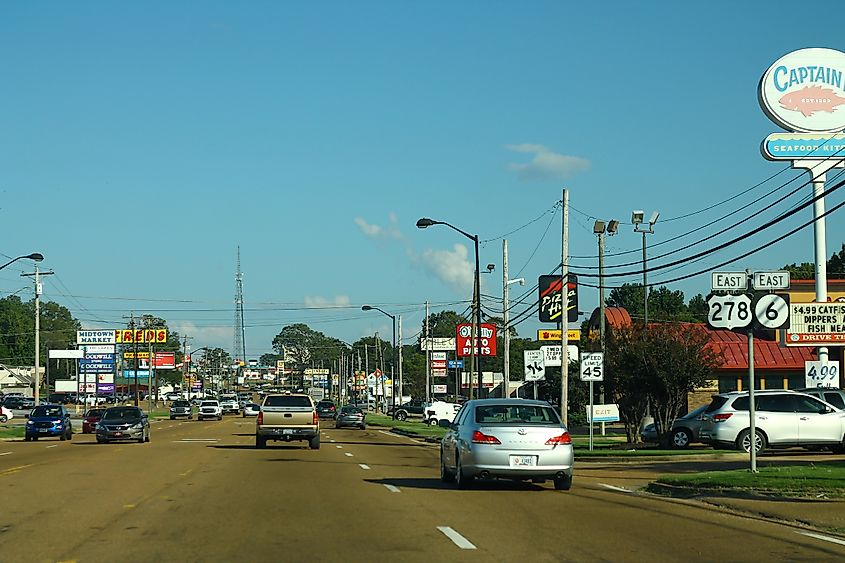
(35, 438)
(63, 437)
(199, 418)
(564, 484)
(401, 416)
(363, 427)
(260, 442)
(147, 436)
(3, 418)
(461, 478)
(314, 443)
(141, 440)
(446, 476)
(27, 438)
(70, 435)
(100, 440)
(432, 422)
(743, 441)
(220, 417)
(681, 438)
(172, 418)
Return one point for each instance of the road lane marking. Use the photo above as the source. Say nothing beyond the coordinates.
(363, 466)
(339, 447)
(195, 440)
(13, 470)
(5, 453)
(53, 446)
(347, 454)
(824, 538)
(456, 538)
(185, 474)
(392, 488)
(332, 441)
(128, 506)
(612, 488)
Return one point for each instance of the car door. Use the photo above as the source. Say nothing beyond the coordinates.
(450, 443)
(818, 423)
(776, 417)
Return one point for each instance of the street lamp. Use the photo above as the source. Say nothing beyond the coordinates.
(185, 356)
(392, 356)
(637, 219)
(426, 222)
(37, 257)
(600, 228)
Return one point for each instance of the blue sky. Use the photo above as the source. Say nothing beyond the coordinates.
(140, 144)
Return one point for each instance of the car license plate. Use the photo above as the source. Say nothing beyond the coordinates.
(287, 431)
(523, 460)
(118, 433)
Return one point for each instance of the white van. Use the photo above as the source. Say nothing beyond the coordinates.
(434, 412)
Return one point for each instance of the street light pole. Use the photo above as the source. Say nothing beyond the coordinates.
(392, 356)
(505, 304)
(637, 219)
(37, 257)
(426, 222)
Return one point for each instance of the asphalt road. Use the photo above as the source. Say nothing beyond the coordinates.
(199, 491)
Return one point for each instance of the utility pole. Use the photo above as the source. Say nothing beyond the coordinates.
(564, 312)
(506, 384)
(185, 368)
(400, 360)
(38, 291)
(601, 320)
(428, 359)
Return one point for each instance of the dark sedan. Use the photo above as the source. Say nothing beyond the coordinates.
(123, 423)
(326, 409)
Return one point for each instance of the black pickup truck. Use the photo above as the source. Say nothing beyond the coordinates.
(414, 406)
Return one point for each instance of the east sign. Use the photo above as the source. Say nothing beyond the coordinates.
(804, 91)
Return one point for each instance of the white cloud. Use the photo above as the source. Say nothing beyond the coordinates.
(391, 231)
(546, 164)
(317, 301)
(451, 267)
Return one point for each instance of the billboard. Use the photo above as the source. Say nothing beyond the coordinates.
(95, 336)
(486, 340)
(550, 301)
(816, 324)
(164, 360)
(140, 336)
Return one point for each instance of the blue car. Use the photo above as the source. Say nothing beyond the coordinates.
(48, 420)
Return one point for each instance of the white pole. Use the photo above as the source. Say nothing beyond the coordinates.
(37, 378)
(428, 359)
(401, 390)
(564, 313)
(820, 248)
(506, 387)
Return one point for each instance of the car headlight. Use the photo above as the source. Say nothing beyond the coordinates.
(29, 423)
(138, 426)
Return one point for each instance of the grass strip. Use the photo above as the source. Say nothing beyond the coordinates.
(12, 432)
(807, 479)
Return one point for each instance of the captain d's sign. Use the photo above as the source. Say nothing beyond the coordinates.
(804, 91)
(141, 336)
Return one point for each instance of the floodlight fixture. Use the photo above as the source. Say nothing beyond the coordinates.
(598, 227)
(653, 219)
(612, 227)
(637, 217)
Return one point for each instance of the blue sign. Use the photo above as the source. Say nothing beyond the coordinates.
(795, 146)
(130, 374)
(455, 364)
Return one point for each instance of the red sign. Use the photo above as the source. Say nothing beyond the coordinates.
(164, 360)
(438, 364)
(486, 340)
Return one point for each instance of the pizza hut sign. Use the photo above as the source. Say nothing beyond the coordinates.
(486, 340)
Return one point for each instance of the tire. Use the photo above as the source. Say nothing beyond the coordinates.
(363, 427)
(743, 441)
(446, 476)
(199, 418)
(314, 443)
(681, 438)
(35, 438)
(433, 422)
(70, 436)
(563, 484)
(142, 439)
(401, 416)
(100, 440)
(27, 438)
(3, 418)
(461, 478)
(220, 417)
(147, 436)
(260, 442)
(63, 437)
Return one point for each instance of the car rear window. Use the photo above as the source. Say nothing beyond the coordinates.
(287, 401)
(716, 403)
(835, 399)
(350, 410)
(516, 414)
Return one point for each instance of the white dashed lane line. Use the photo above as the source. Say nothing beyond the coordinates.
(5, 453)
(456, 538)
(617, 489)
(392, 488)
(363, 466)
(347, 454)
(195, 440)
(53, 446)
(339, 447)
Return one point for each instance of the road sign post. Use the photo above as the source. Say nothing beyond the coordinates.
(740, 311)
(592, 369)
(535, 367)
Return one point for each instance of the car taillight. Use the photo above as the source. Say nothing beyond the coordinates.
(722, 417)
(316, 419)
(260, 418)
(563, 439)
(479, 438)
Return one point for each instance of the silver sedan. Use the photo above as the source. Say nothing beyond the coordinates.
(507, 438)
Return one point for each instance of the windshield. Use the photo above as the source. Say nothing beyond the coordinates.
(181, 403)
(46, 411)
(209, 404)
(516, 414)
(122, 413)
(95, 412)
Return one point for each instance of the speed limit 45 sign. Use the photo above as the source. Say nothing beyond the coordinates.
(592, 366)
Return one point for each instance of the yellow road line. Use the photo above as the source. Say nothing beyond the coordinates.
(13, 470)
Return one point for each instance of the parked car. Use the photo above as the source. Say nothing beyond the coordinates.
(403, 411)
(326, 409)
(123, 423)
(90, 420)
(832, 395)
(210, 408)
(251, 409)
(440, 410)
(509, 439)
(6, 414)
(48, 421)
(60, 398)
(683, 432)
(784, 418)
(172, 396)
(349, 415)
(18, 403)
(180, 408)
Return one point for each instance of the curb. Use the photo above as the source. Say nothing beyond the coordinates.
(409, 434)
(681, 491)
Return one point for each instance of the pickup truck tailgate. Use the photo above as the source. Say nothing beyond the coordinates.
(287, 416)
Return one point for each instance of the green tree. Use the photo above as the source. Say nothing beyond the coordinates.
(698, 309)
(665, 304)
(803, 271)
(628, 296)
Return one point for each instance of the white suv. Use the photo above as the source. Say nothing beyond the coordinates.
(229, 403)
(783, 419)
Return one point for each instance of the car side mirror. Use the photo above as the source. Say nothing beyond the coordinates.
(26, 416)
(444, 423)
